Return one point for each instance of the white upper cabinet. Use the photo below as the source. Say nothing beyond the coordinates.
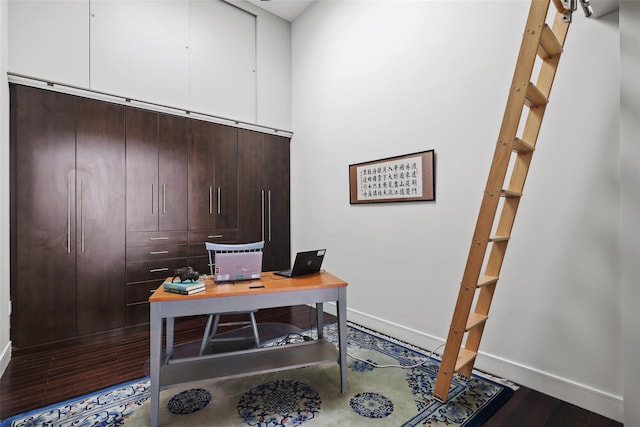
(196, 55)
(139, 49)
(50, 40)
(222, 60)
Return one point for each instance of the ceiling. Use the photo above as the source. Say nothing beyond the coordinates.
(286, 9)
(291, 9)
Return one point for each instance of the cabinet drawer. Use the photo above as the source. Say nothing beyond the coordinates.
(147, 238)
(140, 292)
(213, 236)
(138, 314)
(153, 270)
(156, 252)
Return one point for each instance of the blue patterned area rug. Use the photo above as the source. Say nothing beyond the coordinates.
(389, 396)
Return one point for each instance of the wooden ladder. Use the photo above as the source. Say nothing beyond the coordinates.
(540, 49)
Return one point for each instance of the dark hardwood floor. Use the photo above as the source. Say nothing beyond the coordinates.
(41, 377)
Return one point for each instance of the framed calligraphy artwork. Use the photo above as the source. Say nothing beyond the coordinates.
(395, 179)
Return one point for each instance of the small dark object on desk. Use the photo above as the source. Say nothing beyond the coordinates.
(185, 273)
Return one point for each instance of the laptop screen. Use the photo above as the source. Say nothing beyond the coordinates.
(235, 266)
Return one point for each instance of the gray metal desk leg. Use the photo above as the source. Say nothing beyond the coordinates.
(342, 336)
(156, 354)
(169, 338)
(320, 319)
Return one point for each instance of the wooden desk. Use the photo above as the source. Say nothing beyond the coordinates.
(269, 291)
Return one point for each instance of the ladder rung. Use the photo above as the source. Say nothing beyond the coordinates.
(475, 319)
(486, 280)
(535, 98)
(522, 147)
(464, 358)
(499, 238)
(509, 193)
(549, 44)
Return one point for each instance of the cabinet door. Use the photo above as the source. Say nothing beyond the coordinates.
(100, 187)
(263, 165)
(43, 266)
(142, 170)
(225, 160)
(278, 233)
(172, 173)
(212, 172)
(251, 185)
(156, 146)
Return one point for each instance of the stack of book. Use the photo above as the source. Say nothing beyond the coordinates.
(185, 288)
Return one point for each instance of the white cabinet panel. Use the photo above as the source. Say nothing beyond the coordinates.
(139, 49)
(222, 53)
(50, 40)
(274, 72)
(201, 55)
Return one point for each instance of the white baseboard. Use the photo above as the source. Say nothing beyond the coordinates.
(594, 400)
(5, 357)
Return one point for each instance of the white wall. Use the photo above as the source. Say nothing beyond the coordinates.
(381, 78)
(5, 343)
(630, 198)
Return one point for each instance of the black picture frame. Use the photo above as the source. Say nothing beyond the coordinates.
(405, 178)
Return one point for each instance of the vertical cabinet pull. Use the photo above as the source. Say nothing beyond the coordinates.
(262, 206)
(218, 202)
(82, 216)
(68, 215)
(269, 212)
(164, 199)
(153, 198)
(210, 200)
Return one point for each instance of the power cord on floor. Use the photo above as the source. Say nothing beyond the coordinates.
(375, 365)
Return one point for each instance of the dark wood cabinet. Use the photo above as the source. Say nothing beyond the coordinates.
(107, 200)
(43, 273)
(152, 256)
(213, 188)
(157, 206)
(263, 168)
(156, 171)
(100, 220)
(67, 216)
(213, 176)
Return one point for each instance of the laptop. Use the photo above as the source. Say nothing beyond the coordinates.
(308, 262)
(236, 266)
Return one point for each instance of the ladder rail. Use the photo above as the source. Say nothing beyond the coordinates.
(518, 178)
(538, 42)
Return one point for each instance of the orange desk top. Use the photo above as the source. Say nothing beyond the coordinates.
(268, 283)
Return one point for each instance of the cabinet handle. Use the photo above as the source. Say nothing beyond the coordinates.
(81, 216)
(152, 200)
(164, 199)
(68, 215)
(216, 236)
(210, 200)
(158, 252)
(262, 205)
(218, 200)
(269, 211)
(158, 238)
(158, 270)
